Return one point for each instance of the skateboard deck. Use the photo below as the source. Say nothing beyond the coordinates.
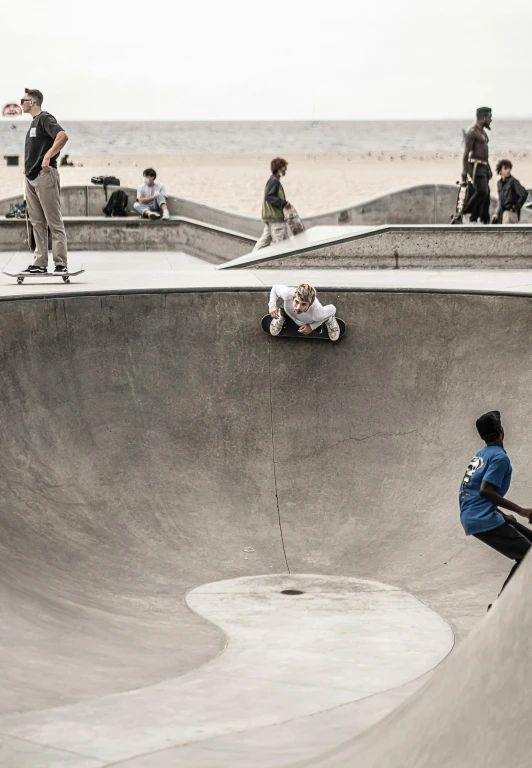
(291, 330)
(457, 216)
(65, 276)
(294, 224)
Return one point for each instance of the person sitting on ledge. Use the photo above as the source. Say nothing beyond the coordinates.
(151, 198)
(512, 195)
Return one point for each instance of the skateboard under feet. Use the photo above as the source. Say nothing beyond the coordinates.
(65, 276)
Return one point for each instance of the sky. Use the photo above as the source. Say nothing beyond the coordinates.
(249, 60)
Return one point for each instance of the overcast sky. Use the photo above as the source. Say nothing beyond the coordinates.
(249, 60)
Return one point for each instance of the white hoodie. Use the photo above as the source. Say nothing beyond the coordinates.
(315, 315)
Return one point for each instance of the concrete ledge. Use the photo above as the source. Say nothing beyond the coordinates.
(78, 201)
(419, 204)
(399, 247)
(213, 244)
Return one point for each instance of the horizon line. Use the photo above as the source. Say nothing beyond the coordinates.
(11, 118)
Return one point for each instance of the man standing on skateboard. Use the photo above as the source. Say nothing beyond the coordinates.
(486, 481)
(274, 207)
(475, 165)
(44, 141)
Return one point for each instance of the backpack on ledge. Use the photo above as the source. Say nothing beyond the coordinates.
(106, 181)
(117, 204)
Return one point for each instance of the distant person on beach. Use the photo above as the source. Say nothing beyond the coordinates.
(302, 309)
(484, 486)
(274, 207)
(44, 141)
(151, 198)
(512, 195)
(65, 162)
(476, 167)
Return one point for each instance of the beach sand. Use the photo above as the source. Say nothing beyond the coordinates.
(315, 182)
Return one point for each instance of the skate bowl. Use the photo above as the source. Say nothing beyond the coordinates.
(219, 548)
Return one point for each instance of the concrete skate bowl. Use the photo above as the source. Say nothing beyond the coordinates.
(169, 472)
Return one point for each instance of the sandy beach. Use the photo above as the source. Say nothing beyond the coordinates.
(315, 182)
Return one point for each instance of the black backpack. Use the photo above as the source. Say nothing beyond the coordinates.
(117, 204)
(106, 181)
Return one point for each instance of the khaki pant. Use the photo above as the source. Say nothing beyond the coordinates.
(44, 210)
(510, 217)
(274, 232)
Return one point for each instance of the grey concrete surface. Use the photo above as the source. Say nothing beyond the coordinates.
(89, 200)
(474, 711)
(155, 443)
(398, 247)
(206, 241)
(343, 640)
(162, 271)
(419, 204)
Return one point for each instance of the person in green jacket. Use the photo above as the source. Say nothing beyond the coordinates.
(274, 207)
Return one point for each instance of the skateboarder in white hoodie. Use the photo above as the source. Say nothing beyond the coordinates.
(302, 306)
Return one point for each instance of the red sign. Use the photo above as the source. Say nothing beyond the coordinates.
(12, 110)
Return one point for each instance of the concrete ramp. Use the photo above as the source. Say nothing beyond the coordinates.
(168, 471)
(473, 711)
(397, 247)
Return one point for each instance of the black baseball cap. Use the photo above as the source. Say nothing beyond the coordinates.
(489, 424)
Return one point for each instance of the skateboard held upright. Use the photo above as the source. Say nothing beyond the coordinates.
(294, 223)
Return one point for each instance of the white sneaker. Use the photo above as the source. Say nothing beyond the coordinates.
(166, 213)
(276, 325)
(333, 328)
(152, 215)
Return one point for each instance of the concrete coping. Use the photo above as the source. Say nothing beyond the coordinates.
(129, 221)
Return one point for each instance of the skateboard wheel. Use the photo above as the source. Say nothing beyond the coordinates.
(20, 280)
(66, 279)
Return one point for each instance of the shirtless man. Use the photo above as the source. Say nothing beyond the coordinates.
(476, 165)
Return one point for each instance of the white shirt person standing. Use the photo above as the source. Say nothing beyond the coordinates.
(151, 198)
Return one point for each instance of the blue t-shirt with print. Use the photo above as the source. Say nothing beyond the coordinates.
(491, 464)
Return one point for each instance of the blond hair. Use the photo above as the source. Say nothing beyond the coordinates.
(306, 293)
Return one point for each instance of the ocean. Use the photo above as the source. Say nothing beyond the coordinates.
(106, 137)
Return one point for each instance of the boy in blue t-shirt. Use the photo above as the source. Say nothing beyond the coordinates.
(482, 491)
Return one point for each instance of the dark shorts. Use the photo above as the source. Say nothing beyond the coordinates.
(511, 539)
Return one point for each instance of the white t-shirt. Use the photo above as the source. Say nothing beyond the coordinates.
(146, 191)
(315, 315)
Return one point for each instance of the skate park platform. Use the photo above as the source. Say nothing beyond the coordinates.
(417, 204)
(322, 246)
(169, 471)
(413, 246)
(97, 233)
(402, 229)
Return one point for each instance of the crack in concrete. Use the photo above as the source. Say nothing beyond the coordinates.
(273, 458)
(361, 440)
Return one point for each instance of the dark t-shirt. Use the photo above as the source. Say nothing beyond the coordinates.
(40, 137)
